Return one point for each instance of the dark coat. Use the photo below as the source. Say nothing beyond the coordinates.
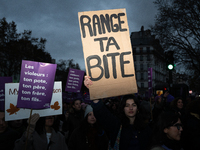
(73, 122)
(191, 133)
(8, 138)
(112, 124)
(39, 142)
(92, 140)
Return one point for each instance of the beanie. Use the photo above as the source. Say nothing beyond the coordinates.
(88, 110)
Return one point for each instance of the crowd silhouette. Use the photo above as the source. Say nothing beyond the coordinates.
(126, 122)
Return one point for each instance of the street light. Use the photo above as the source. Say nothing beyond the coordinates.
(170, 66)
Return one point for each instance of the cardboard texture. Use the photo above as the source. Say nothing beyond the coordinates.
(107, 52)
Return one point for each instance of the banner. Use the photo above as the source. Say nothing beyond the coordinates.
(36, 85)
(150, 91)
(3, 80)
(74, 80)
(12, 112)
(107, 52)
(87, 97)
(70, 97)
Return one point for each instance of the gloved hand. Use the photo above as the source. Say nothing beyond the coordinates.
(33, 119)
(32, 122)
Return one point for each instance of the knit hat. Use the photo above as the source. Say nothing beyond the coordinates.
(88, 110)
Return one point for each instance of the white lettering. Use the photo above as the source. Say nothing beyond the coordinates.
(35, 99)
(39, 81)
(26, 86)
(26, 92)
(38, 93)
(29, 67)
(27, 80)
(39, 87)
(25, 98)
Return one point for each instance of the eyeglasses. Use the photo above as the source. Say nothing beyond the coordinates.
(178, 125)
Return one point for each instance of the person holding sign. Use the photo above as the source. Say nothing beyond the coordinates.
(42, 133)
(128, 131)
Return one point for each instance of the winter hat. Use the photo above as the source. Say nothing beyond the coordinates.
(88, 110)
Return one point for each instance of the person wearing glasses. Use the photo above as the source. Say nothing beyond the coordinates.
(167, 132)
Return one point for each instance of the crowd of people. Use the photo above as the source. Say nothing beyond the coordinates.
(125, 122)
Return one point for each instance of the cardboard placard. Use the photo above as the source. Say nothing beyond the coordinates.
(14, 113)
(107, 53)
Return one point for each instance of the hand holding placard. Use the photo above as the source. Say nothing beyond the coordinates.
(107, 52)
(87, 81)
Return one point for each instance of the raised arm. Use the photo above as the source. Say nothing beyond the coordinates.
(88, 83)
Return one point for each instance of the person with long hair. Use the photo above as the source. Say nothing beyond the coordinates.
(74, 119)
(129, 130)
(177, 105)
(42, 133)
(89, 135)
(167, 132)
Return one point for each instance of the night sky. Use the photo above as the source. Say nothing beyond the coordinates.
(57, 21)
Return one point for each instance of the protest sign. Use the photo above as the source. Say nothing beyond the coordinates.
(74, 80)
(107, 52)
(87, 97)
(70, 97)
(67, 97)
(12, 112)
(36, 85)
(150, 91)
(3, 80)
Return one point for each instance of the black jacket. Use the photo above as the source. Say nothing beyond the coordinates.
(72, 122)
(92, 140)
(112, 124)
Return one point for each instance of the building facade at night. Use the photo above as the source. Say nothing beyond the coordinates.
(148, 53)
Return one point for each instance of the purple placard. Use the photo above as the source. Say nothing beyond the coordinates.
(87, 97)
(150, 82)
(67, 97)
(36, 85)
(3, 80)
(74, 80)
